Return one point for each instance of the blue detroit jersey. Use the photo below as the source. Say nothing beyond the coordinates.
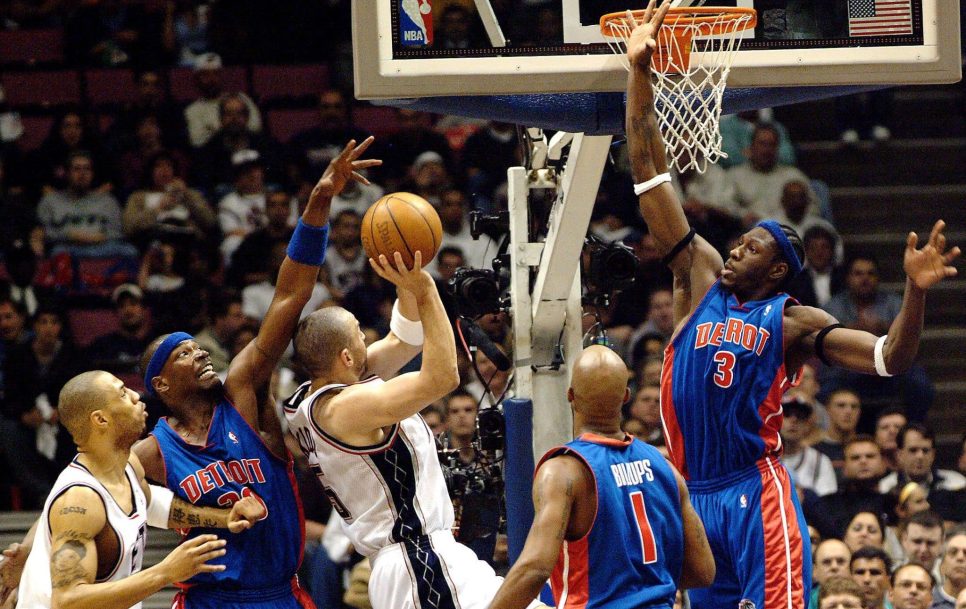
(633, 554)
(721, 386)
(234, 463)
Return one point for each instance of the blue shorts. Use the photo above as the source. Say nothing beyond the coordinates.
(285, 596)
(759, 540)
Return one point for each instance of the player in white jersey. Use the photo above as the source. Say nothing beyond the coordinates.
(376, 457)
(88, 545)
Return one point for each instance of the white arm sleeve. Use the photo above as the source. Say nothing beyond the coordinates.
(159, 510)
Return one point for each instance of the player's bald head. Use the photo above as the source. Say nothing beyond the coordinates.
(598, 384)
(79, 397)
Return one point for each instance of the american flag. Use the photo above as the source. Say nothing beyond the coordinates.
(880, 17)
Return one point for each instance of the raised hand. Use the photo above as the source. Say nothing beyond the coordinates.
(414, 280)
(643, 39)
(343, 168)
(245, 513)
(931, 264)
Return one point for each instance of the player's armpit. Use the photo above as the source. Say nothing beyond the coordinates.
(75, 518)
(556, 488)
(698, 569)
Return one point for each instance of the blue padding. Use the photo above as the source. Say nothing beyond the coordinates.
(518, 473)
(601, 113)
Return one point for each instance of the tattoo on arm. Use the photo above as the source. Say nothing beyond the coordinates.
(211, 523)
(73, 509)
(65, 564)
(177, 515)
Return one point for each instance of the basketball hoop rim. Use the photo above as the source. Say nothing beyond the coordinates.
(683, 18)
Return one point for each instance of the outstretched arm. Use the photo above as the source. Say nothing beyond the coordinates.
(556, 489)
(696, 266)
(698, 569)
(856, 349)
(252, 368)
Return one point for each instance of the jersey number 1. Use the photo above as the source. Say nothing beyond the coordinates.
(648, 545)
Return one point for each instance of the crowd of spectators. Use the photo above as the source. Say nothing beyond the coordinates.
(188, 210)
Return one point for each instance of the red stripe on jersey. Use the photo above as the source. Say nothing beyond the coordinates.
(669, 419)
(771, 415)
(577, 576)
(648, 547)
(783, 540)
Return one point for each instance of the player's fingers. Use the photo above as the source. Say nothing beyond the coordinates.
(210, 568)
(239, 525)
(358, 177)
(912, 239)
(941, 242)
(937, 229)
(950, 271)
(358, 150)
(397, 257)
(629, 18)
(10, 551)
(952, 255)
(378, 269)
(417, 261)
(659, 18)
(347, 150)
(649, 11)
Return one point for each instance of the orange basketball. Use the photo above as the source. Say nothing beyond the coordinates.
(401, 222)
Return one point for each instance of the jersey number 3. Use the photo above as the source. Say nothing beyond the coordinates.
(648, 545)
(725, 374)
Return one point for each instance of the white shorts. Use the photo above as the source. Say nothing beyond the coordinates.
(439, 573)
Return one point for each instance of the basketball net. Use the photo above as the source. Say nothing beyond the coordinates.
(687, 95)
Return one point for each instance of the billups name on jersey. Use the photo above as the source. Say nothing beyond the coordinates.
(734, 331)
(219, 473)
(632, 472)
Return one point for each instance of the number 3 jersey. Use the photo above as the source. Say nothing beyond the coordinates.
(386, 493)
(722, 383)
(35, 588)
(233, 463)
(633, 554)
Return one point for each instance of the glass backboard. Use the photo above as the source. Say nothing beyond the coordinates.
(424, 48)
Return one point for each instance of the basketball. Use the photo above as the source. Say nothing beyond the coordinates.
(401, 222)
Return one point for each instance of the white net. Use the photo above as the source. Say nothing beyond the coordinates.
(687, 94)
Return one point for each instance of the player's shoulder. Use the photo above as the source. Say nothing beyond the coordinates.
(148, 454)
(78, 506)
(802, 319)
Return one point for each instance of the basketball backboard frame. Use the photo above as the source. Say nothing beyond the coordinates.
(378, 75)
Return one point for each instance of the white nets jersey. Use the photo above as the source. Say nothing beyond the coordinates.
(386, 493)
(35, 589)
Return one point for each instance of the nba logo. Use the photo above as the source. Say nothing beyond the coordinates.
(743, 501)
(415, 23)
(232, 437)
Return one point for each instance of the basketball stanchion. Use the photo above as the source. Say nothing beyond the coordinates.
(687, 94)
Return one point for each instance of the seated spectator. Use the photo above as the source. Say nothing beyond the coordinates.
(865, 529)
(23, 287)
(165, 205)
(214, 163)
(249, 263)
(797, 210)
(70, 133)
(147, 142)
(822, 277)
(808, 390)
(857, 491)
(869, 568)
(910, 499)
(415, 135)
(887, 426)
(809, 468)
(311, 150)
(80, 221)
(150, 101)
(912, 586)
(659, 321)
(345, 260)
(737, 131)
(916, 459)
(454, 216)
(203, 115)
(759, 182)
(257, 297)
(844, 408)
(645, 408)
(36, 446)
(831, 561)
(863, 306)
(487, 155)
(120, 351)
(840, 593)
(435, 417)
(242, 211)
(921, 538)
(428, 177)
(225, 319)
(461, 409)
(952, 571)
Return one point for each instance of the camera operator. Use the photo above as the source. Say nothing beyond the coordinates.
(470, 460)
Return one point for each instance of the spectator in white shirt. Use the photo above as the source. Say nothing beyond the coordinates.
(810, 469)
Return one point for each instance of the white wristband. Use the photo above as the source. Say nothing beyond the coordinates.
(879, 358)
(406, 330)
(654, 182)
(159, 510)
